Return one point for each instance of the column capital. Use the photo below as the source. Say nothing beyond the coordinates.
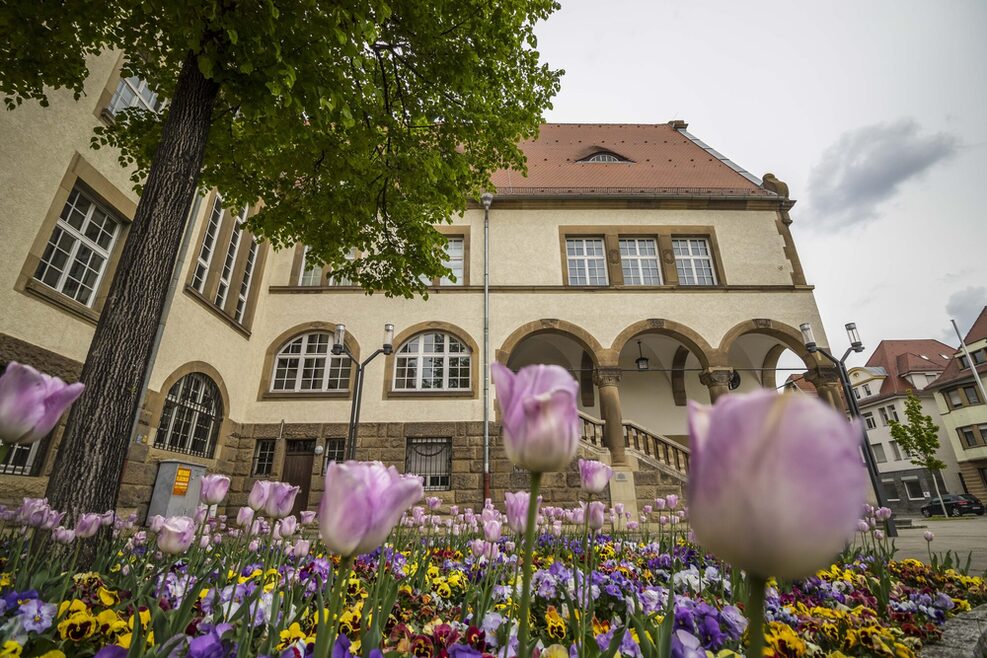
(607, 376)
(716, 377)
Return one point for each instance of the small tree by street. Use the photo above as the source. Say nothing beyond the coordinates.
(919, 438)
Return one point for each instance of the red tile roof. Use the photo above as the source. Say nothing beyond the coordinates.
(900, 357)
(953, 373)
(660, 159)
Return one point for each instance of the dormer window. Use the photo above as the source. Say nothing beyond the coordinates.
(604, 157)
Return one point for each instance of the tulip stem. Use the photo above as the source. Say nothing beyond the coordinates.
(529, 541)
(755, 613)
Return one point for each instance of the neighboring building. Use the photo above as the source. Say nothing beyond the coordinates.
(964, 413)
(896, 368)
(652, 267)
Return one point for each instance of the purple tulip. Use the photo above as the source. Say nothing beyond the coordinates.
(107, 517)
(517, 510)
(491, 530)
(245, 517)
(31, 403)
(200, 515)
(596, 511)
(883, 513)
(259, 494)
(433, 502)
(306, 517)
(63, 536)
(155, 523)
(176, 535)
(362, 502)
(776, 481)
(280, 499)
(928, 536)
(540, 418)
(213, 489)
(288, 526)
(594, 475)
(301, 548)
(672, 501)
(87, 525)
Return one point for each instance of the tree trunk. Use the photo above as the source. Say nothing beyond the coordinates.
(89, 464)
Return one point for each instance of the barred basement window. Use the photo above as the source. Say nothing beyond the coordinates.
(263, 457)
(430, 458)
(432, 361)
(193, 412)
(75, 258)
(335, 452)
(305, 364)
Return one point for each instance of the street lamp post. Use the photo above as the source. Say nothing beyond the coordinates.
(339, 347)
(855, 346)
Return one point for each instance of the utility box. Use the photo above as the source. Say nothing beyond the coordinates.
(176, 489)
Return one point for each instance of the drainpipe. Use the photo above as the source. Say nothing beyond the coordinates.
(486, 199)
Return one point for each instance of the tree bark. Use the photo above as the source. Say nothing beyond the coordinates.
(90, 461)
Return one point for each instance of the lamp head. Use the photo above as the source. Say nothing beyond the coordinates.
(855, 343)
(641, 361)
(339, 339)
(808, 338)
(486, 199)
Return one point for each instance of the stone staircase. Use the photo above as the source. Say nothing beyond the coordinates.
(661, 465)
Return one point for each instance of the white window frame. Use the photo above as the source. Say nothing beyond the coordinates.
(248, 274)
(137, 87)
(343, 282)
(603, 157)
(897, 495)
(456, 263)
(869, 421)
(896, 450)
(268, 448)
(208, 247)
(689, 260)
(893, 413)
(335, 451)
(226, 276)
(884, 415)
(79, 240)
(335, 368)
(877, 449)
(414, 351)
(309, 275)
(577, 254)
(867, 389)
(633, 257)
(906, 481)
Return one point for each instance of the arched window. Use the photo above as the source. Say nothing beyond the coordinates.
(604, 156)
(306, 364)
(432, 361)
(193, 412)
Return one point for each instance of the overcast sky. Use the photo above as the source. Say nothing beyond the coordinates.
(874, 113)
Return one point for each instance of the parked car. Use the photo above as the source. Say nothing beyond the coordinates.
(956, 505)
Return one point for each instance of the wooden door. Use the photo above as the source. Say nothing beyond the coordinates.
(299, 457)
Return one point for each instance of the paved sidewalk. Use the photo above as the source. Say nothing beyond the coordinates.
(962, 535)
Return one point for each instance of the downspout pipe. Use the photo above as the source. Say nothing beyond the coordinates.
(486, 199)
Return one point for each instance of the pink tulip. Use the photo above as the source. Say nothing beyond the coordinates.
(200, 515)
(155, 522)
(108, 517)
(280, 499)
(928, 536)
(213, 489)
(594, 475)
(491, 530)
(301, 548)
(776, 482)
(596, 511)
(31, 403)
(63, 536)
(672, 501)
(517, 510)
(245, 517)
(87, 525)
(882, 513)
(306, 517)
(176, 535)
(259, 494)
(660, 504)
(288, 526)
(362, 503)
(540, 418)
(433, 502)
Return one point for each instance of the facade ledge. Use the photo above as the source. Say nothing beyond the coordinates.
(282, 290)
(60, 301)
(307, 395)
(197, 296)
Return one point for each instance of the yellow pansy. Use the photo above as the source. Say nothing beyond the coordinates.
(73, 607)
(145, 616)
(10, 649)
(77, 626)
(107, 597)
(291, 635)
(555, 624)
(555, 651)
(54, 653)
(5, 580)
(784, 640)
(110, 623)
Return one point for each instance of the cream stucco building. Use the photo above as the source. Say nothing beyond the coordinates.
(648, 264)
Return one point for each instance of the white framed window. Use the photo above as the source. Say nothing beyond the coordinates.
(586, 261)
(335, 452)
(263, 457)
(77, 252)
(867, 389)
(694, 262)
(639, 262)
(231, 253)
(432, 361)
(192, 414)
(307, 364)
(248, 273)
(884, 415)
(914, 489)
(134, 92)
(878, 450)
(339, 280)
(969, 436)
(869, 420)
(602, 157)
(856, 393)
(896, 450)
(892, 413)
(955, 399)
(310, 275)
(454, 260)
(430, 459)
(890, 490)
(208, 245)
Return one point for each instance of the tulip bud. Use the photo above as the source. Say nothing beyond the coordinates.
(155, 522)
(288, 526)
(883, 513)
(259, 494)
(280, 499)
(31, 403)
(433, 502)
(928, 536)
(517, 510)
(540, 417)
(306, 517)
(302, 547)
(491, 530)
(213, 489)
(87, 525)
(596, 515)
(200, 515)
(762, 460)
(63, 536)
(176, 534)
(594, 476)
(245, 517)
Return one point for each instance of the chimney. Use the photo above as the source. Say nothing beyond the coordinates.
(678, 124)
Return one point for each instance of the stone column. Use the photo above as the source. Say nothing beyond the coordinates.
(717, 380)
(829, 388)
(607, 380)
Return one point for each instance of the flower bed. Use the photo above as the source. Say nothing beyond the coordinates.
(234, 593)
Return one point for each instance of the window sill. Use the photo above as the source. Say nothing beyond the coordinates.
(196, 295)
(431, 394)
(63, 303)
(305, 395)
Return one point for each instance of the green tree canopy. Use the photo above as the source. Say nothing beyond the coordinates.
(358, 124)
(919, 437)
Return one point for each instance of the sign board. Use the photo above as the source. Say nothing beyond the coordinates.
(182, 477)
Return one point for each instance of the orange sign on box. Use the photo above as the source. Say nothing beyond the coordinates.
(182, 477)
